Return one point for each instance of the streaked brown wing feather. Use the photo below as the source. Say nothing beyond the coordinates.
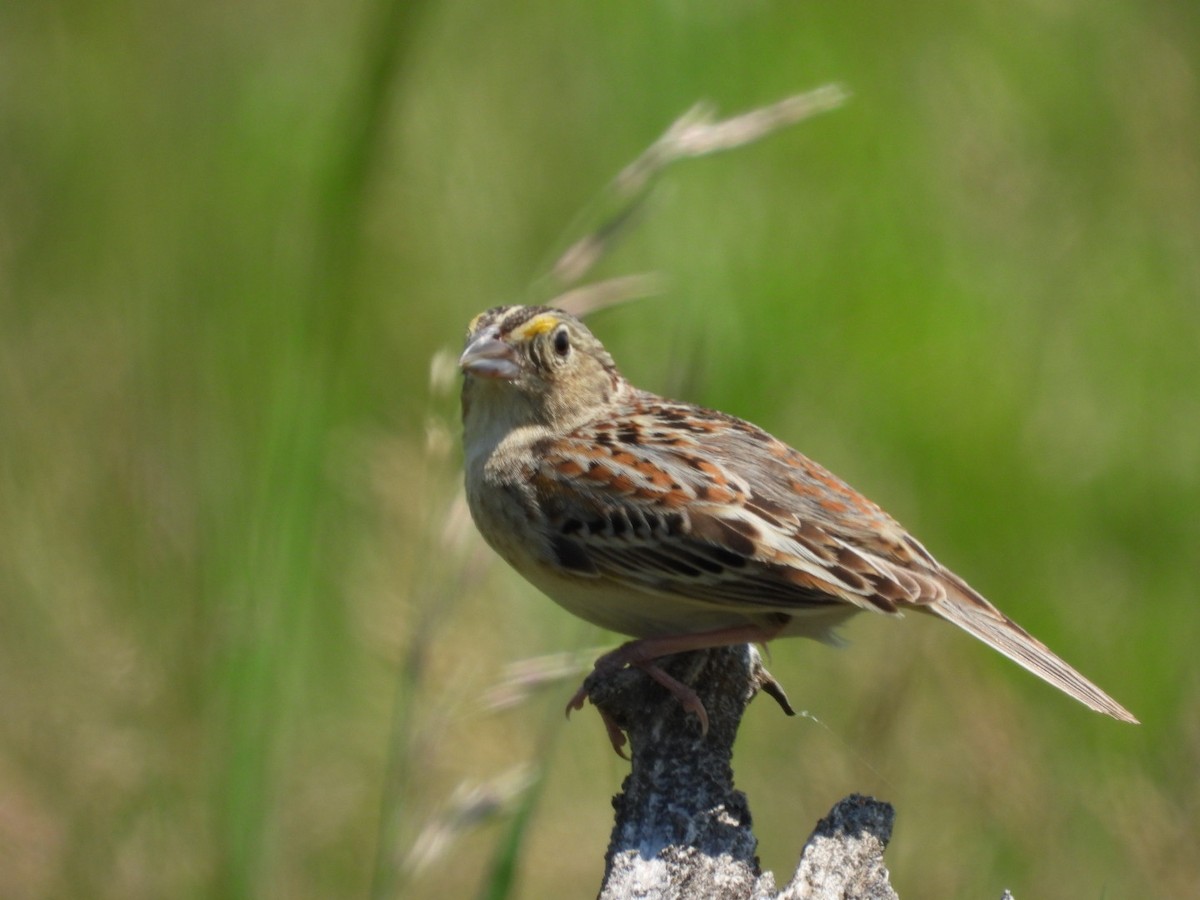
(771, 530)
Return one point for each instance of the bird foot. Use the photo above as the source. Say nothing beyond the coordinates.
(642, 653)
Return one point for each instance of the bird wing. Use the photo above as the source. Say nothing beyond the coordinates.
(673, 499)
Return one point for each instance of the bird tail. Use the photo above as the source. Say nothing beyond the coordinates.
(973, 614)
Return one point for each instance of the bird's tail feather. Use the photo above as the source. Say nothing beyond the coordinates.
(972, 613)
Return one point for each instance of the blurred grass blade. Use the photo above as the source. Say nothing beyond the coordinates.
(696, 133)
(502, 874)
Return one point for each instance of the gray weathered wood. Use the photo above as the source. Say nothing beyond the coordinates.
(682, 830)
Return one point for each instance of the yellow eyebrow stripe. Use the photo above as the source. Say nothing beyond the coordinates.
(539, 324)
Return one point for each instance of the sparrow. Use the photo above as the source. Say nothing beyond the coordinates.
(682, 527)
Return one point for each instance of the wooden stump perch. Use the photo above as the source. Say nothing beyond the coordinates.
(681, 830)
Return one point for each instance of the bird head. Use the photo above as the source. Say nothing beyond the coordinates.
(536, 364)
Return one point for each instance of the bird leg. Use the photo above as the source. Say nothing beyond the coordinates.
(688, 698)
(641, 654)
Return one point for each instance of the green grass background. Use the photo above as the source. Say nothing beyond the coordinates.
(242, 641)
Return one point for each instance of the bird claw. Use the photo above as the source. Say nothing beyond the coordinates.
(688, 698)
(577, 699)
(768, 685)
(616, 736)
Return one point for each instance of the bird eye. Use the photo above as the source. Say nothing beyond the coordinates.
(562, 342)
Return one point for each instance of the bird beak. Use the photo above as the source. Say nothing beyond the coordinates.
(489, 357)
